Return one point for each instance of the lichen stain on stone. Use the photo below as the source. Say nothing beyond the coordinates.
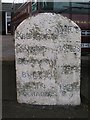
(71, 87)
(54, 36)
(68, 46)
(68, 69)
(36, 35)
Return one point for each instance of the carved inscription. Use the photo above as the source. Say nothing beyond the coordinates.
(47, 50)
(32, 87)
(59, 29)
(35, 50)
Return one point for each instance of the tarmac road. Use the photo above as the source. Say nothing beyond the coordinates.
(12, 109)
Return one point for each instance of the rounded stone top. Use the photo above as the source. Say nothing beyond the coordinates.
(49, 23)
(42, 19)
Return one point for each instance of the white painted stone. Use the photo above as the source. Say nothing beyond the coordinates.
(48, 53)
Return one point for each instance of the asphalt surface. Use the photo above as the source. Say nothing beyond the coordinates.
(12, 109)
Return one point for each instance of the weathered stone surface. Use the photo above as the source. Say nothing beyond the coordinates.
(47, 50)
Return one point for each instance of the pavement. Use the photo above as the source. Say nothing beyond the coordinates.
(12, 109)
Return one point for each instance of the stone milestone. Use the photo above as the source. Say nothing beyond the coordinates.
(48, 53)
